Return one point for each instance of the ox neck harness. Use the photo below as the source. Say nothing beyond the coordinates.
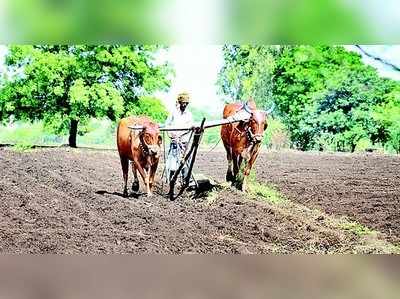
(143, 145)
(144, 148)
(251, 137)
(254, 140)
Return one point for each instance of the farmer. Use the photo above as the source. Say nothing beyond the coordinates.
(179, 118)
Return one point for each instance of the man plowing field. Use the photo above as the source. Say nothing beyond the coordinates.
(180, 117)
(243, 126)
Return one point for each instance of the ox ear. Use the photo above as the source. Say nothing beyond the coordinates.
(265, 120)
(159, 141)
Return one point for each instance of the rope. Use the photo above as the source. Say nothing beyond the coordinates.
(165, 164)
(213, 148)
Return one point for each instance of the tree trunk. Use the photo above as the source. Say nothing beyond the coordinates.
(353, 147)
(73, 131)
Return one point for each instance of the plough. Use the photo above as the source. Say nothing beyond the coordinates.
(180, 180)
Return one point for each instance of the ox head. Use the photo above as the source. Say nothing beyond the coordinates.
(151, 139)
(256, 126)
(254, 129)
(257, 123)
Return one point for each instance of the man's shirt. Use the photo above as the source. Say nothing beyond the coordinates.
(179, 120)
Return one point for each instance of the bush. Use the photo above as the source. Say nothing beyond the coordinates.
(21, 147)
(326, 142)
(99, 132)
(27, 133)
(24, 135)
(363, 144)
(276, 136)
(212, 135)
(317, 90)
(394, 138)
(151, 107)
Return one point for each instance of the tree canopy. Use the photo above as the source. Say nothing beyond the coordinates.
(325, 95)
(67, 85)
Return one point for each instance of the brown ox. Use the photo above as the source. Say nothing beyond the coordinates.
(242, 141)
(142, 147)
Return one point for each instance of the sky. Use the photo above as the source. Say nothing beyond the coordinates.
(390, 53)
(196, 69)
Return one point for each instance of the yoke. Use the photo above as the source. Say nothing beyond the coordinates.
(179, 182)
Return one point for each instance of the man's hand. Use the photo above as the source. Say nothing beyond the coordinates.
(174, 137)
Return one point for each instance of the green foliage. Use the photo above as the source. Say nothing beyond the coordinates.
(267, 192)
(326, 92)
(388, 117)
(99, 132)
(27, 133)
(22, 147)
(394, 138)
(363, 144)
(248, 72)
(61, 84)
(211, 136)
(151, 107)
(276, 136)
(199, 114)
(325, 95)
(356, 228)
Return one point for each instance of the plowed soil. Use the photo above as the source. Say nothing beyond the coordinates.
(69, 201)
(364, 187)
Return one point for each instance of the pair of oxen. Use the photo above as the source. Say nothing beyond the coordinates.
(241, 140)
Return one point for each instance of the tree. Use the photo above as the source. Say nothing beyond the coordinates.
(67, 85)
(388, 117)
(324, 95)
(248, 72)
(326, 91)
(151, 107)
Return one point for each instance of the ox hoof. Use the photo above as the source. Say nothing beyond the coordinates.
(229, 177)
(125, 193)
(135, 186)
(243, 187)
(239, 185)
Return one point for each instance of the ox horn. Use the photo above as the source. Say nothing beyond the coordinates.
(270, 109)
